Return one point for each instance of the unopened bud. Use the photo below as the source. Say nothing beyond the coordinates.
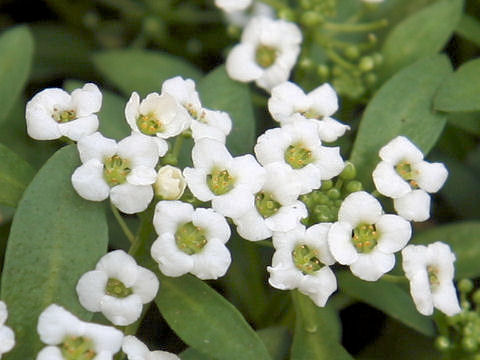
(442, 343)
(352, 52)
(366, 64)
(170, 183)
(349, 172)
(465, 286)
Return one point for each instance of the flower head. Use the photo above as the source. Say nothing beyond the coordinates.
(118, 288)
(430, 271)
(53, 113)
(136, 350)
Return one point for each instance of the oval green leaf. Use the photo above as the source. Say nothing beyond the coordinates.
(219, 92)
(313, 337)
(423, 33)
(142, 71)
(461, 90)
(15, 175)
(402, 106)
(16, 53)
(464, 239)
(207, 322)
(386, 297)
(469, 28)
(56, 236)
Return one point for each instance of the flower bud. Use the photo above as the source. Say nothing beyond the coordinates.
(170, 183)
(465, 286)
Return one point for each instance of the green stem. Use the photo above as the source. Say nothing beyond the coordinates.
(339, 60)
(394, 279)
(177, 147)
(362, 27)
(122, 224)
(375, 193)
(264, 243)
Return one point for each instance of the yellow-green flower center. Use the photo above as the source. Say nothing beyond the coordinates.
(149, 124)
(64, 116)
(312, 114)
(117, 289)
(265, 56)
(77, 348)
(220, 181)
(404, 169)
(433, 279)
(306, 259)
(190, 238)
(297, 156)
(365, 238)
(115, 170)
(266, 204)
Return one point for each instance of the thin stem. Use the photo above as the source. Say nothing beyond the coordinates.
(177, 147)
(375, 193)
(362, 27)
(339, 60)
(122, 224)
(264, 243)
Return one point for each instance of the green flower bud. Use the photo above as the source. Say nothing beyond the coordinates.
(322, 199)
(366, 64)
(326, 184)
(349, 172)
(476, 297)
(306, 63)
(311, 18)
(334, 194)
(353, 186)
(370, 79)
(469, 344)
(442, 343)
(465, 285)
(323, 71)
(352, 52)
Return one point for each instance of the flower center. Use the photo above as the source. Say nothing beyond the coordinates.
(190, 238)
(149, 124)
(64, 116)
(220, 181)
(433, 279)
(404, 169)
(117, 289)
(115, 170)
(311, 114)
(195, 114)
(297, 156)
(306, 259)
(365, 238)
(77, 348)
(266, 204)
(265, 56)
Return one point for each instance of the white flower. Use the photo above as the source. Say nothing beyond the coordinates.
(118, 287)
(233, 5)
(53, 113)
(190, 241)
(298, 145)
(62, 331)
(301, 262)
(289, 103)
(365, 238)
(430, 271)
(229, 182)
(404, 176)
(157, 115)
(170, 183)
(241, 18)
(267, 52)
(275, 207)
(205, 123)
(123, 171)
(7, 337)
(136, 350)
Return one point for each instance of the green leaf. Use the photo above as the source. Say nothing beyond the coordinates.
(469, 28)
(313, 337)
(16, 52)
(219, 92)
(461, 90)
(277, 339)
(386, 297)
(112, 114)
(464, 239)
(204, 320)
(422, 34)
(142, 71)
(469, 121)
(402, 106)
(56, 236)
(15, 174)
(192, 354)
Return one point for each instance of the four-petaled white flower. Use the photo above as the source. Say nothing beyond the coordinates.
(123, 171)
(157, 115)
(275, 207)
(205, 123)
(7, 337)
(266, 54)
(301, 261)
(229, 182)
(190, 240)
(241, 18)
(289, 103)
(365, 238)
(53, 113)
(66, 334)
(118, 288)
(233, 5)
(136, 350)
(298, 145)
(430, 271)
(404, 176)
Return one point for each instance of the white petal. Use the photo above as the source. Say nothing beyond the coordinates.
(360, 207)
(7, 339)
(421, 294)
(388, 182)
(324, 100)
(142, 175)
(202, 131)
(139, 149)
(79, 127)
(395, 232)
(241, 65)
(251, 226)
(330, 130)
(212, 262)
(162, 145)
(271, 146)
(170, 214)
(89, 183)
(284, 100)
(134, 348)
(431, 176)
(3, 312)
(445, 299)
(106, 339)
(171, 261)
(329, 162)
(96, 146)
(340, 243)
(235, 203)
(119, 265)
(122, 311)
(197, 183)
(146, 285)
(208, 153)
(91, 289)
(319, 286)
(50, 353)
(132, 110)
(41, 125)
(414, 206)
(183, 90)
(283, 273)
(131, 199)
(400, 149)
(287, 217)
(370, 267)
(214, 224)
(316, 236)
(248, 172)
(162, 355)
(54, 323)
(87, 100)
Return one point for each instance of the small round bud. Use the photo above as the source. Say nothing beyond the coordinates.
(287, 14)
(476, 297)
(349, 172)
(311, 18)
(153, 25)
(465, 285)
(442, 343)
(353, 186)
(170, 183)
(366, 64)
(323, 71)
(322, 199)
(326, 184)
(334, 194)
(352, 52)
(377, 59)
(465, 305)
(469, 344)
(306, 63)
